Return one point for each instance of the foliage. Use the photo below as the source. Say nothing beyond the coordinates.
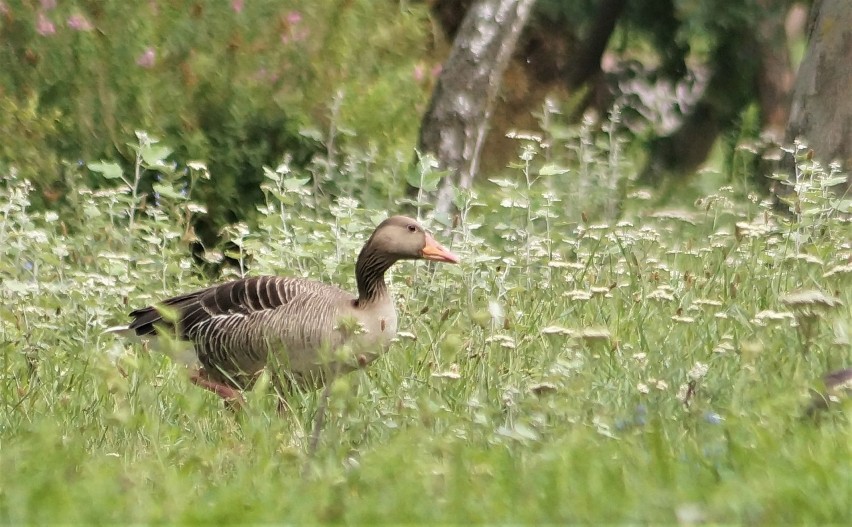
(236, 83)
(652, 370)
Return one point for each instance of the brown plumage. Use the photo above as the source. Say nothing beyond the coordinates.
(239, 327)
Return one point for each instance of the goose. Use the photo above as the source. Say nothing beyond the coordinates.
(295, 326)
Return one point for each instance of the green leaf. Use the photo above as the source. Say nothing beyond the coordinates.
(832, 181)
(503, 183)
(844, 205)
(167, 192)
(155, 154)
(428, 181)
(552, 170)
(108, 170)
(295, 183)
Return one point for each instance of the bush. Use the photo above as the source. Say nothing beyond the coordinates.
(237, 83)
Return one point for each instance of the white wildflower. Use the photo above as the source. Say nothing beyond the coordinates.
(698, 371)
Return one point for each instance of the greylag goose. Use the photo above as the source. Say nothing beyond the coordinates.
(296, 325)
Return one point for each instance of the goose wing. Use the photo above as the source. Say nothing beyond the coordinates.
(216, 305)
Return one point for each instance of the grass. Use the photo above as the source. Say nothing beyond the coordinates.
(641, 371)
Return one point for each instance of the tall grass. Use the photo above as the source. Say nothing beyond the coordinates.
(652, 368)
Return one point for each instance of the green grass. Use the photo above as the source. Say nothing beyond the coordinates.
(564, 372)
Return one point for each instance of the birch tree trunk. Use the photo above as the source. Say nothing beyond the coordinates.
(821, 113)
(455, 125)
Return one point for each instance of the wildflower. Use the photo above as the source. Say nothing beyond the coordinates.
(838, 270)
(504, 340)
(595, 335)
(698, 371)
(578, 294)
(78, 22)
(767, 316)
(147, 58)
(752, 230)
(662, 293)
(642, 388)
(47, 5)
(406, 335)
(556, 330)
(723, 347)
(419, 72)
(806, 258)
(237, 6)
(543, 388)
(641, 195)
(810, 301)
(44, 26)
(293, 17)
(451, 374)
(683, 393)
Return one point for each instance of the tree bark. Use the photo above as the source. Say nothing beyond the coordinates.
(456, 123)
(821, 113)
(775, 76)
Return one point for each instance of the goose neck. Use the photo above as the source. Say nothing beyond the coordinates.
(370, 274)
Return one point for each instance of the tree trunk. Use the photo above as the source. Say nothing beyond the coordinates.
(821, 113)
(775, 76)
(456, 123)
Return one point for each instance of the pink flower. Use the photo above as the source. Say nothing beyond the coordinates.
(47, 5)
(4, 9)
(419, 72)
(79, 23)
(237, 5)
(294, 17)
(147, 58)
(44, 26)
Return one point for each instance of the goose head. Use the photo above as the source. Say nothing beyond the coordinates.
(396, 238)
(403, 238)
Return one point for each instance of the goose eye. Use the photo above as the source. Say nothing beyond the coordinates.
(412, 228)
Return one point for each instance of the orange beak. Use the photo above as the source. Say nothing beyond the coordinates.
(436, 252)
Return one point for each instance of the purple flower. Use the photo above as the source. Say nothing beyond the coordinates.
(44, 26)
(147, 58)
(294, 17)
(79, 23)
(237, 5)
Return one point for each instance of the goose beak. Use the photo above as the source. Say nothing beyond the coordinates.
(436, 252)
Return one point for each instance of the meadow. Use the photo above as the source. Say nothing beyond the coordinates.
(654, 368)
